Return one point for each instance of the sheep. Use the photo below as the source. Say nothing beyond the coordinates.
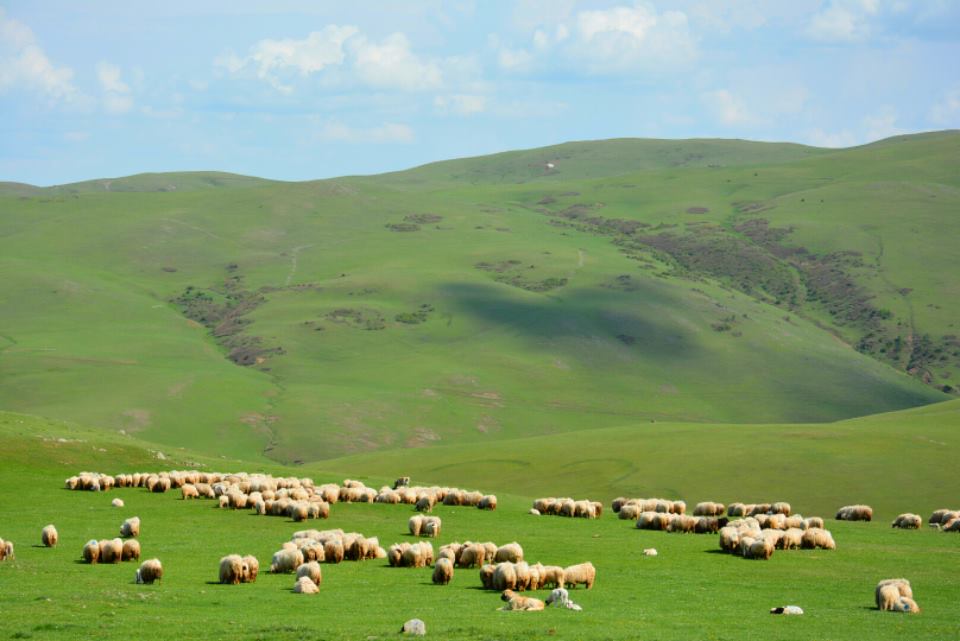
(907, 521)
(629, 512)
(231, 569)
(305, 586)
(794, 521)
(130, 550)
(395, 553)
(895, 595)
(418, 555)
(223, 501)
(533, 512)
(111, 551)
(649, 552)
(403, 481)
(760, 549)
(525, 576)
(117, 502)
(583, 573)
(130, 527)
(91, 552)
(552, 575)
(443, 572)
(780, 507)
(425, 503)
(311, 570)
(953, 525)
(812, 521)
(504, 576)
(49, 536)
(488, 502)
(792, 539)
(333, 551)
(941, 516)
(817, 538)
(415, 524)
(150, 571)
(431, 526)
(709, 508)
(251, 568)
(486, 576)
(737, 509)
(285, 561)
(855, 513)
(189, 491)
(729, 538)
(471, 555)
(520, 603)
(510, 552)
(450, 551)
(312, 550)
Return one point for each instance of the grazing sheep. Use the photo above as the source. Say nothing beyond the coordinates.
(552, 575)
(130, 527)
(906, 604)
(111, 551)
(889, 591)
(709, 508)
(737, 509)
(415, 524)
(504, 576)
(729, 538)
(285, 561)
(443, 571)
(431, 526)
(231, 569)
(311, 570)
(305, 586)
(583, 573)
(943, 515)
(813, 521)
(395, 553)
(414, 627)
(189, 491)
(251, 568)
(130, 550)
(520, 603)
(760, 549)
(650, 552)
(792, 539)
(907, 521)
(333, 551)
(780, 507)
(450, 551)
(855, 513)
(486, 576)
(150, 571)
(471, 555)
(953, 525)
(91, 552)
(817, 538)
(117, 502)
(510, 552)
(49, 536)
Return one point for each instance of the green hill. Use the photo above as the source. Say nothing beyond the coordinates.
(486, 299)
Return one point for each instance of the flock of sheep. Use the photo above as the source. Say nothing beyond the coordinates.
(752, 531)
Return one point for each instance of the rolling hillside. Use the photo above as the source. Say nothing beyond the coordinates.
(578, 287)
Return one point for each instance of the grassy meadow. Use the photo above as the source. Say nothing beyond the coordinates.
(484, 299)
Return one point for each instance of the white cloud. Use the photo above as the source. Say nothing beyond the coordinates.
(947, 111)
(608, 41)
(391, 64)
(882, 124)
(116, 93)
(24, 64)
(462, 104)
(386, 133)
(843, 21)
(835, 140)
(727, 107)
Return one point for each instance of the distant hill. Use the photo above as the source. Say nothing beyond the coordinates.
(477, 301)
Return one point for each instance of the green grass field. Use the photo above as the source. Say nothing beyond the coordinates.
(689, 591)
(484, 299)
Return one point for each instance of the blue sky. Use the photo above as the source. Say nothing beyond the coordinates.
(300, 90)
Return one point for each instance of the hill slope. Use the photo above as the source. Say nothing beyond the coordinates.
(484, 299)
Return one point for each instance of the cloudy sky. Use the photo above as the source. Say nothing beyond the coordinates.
(299, 90)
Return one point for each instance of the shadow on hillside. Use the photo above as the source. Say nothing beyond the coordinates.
(622, 320)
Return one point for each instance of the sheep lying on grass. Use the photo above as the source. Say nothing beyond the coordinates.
(305, 586)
